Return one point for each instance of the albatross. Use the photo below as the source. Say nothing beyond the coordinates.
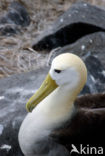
(58, 118)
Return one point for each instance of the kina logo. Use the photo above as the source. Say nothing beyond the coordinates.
(86, 150)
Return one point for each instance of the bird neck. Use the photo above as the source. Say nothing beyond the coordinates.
(58, 107)
(62, 99)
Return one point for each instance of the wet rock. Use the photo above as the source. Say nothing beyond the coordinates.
(16, 16)
(78, 21)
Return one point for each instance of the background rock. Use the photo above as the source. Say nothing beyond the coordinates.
(16, 16)
(79, 20)
(93, 44)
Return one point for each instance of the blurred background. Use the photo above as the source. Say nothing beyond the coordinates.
(16, 55)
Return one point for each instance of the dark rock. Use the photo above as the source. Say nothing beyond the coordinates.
(97, 73)
(85, 90)
(14, 93)
(95, 68)
(93, 44)
(9, 30)
(78, 21)
(16, 16)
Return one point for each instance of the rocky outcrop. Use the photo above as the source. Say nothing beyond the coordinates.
(16, 16)
(78, 21)
(93, 44)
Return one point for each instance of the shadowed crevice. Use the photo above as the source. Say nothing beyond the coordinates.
(66, 35)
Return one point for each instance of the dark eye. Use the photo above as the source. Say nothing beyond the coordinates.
(57, 71)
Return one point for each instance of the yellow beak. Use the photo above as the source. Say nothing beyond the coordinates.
(46, 88)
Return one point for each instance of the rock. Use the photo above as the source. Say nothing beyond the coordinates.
(16, 16)
(96, 76)
(93, 44)
(78, 21)
(97, 73)
(9, 30)
(14, 93)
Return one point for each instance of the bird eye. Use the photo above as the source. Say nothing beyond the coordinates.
(57, 71)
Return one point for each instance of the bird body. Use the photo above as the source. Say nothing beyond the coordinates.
(55, 119)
